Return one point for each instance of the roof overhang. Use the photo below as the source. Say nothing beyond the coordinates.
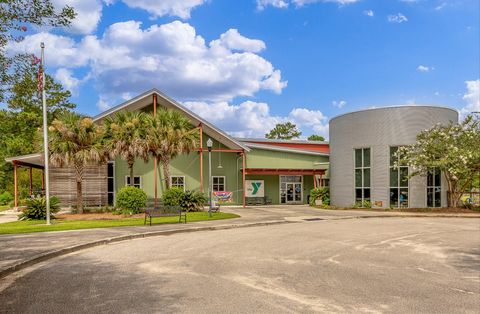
(274, 171)
(146, 99)
(31, 160)
(286, 149)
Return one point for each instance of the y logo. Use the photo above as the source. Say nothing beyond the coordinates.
(256, 186)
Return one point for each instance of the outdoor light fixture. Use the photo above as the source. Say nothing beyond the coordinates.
(219, 158)
(210, 188)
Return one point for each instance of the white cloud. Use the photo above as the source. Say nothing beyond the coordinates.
(441, 6)
(369, 13)
(253, 119)
(262, 4)
(232, 40)
(66, 78)
(397, 18)
(339, 104)
(424, 68)
(172, 57)
(472, 98)
(89, 13)
(159, 8)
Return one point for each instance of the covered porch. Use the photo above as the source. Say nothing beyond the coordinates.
(30, 162)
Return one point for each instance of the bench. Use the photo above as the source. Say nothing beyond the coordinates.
(164, 211)
(259, 201)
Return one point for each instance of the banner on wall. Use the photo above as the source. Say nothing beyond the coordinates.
(223, 197)
(255, 188)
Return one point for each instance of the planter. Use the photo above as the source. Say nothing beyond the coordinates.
(318, 202)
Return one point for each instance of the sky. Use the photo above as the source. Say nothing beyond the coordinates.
(247, 65)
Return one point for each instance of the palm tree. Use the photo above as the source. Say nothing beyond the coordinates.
(170, 134)
(76, 141)
(125, 137)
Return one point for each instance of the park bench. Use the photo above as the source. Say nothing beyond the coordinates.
(259, 201)
(165, 211)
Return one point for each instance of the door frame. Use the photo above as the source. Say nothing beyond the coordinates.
(280, 190)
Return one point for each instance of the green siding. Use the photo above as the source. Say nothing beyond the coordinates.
(260, 158)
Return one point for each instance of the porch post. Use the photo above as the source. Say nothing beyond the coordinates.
(243, 178)
(200, 126)
(321, 180)
(314, 180)
(31, 183)
(15, 183)
(43, 180)
(155, 174)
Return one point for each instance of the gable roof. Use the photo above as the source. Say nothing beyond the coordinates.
(145, 99)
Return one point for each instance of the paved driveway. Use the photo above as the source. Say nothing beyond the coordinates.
(377, 265)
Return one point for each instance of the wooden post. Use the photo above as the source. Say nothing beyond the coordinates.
(43, 180)
(321, 183)
(200, 126)
(243, 178)
(155, 172)
(31, 181)
(314, 180)
(15, 184)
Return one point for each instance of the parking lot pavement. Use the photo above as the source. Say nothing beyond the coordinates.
(394, 265)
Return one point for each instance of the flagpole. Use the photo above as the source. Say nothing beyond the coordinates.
(45, 136)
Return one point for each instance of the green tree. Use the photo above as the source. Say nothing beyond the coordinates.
(284, 131)
(453, 149)
(75, 141)
(125, 137)
(170, 134)
(24, 95)
(315, 137)
(15, 17)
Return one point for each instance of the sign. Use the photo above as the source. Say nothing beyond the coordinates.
(255, 188)
(223, 197)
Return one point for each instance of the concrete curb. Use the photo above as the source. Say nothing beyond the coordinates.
(74, 248)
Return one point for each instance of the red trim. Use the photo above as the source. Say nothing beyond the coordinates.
(284, 171)
(320, 147)
(200, 127)
(243, 179)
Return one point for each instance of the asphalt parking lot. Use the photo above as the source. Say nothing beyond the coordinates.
(374, 265)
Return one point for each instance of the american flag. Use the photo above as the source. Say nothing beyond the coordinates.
(38, 61)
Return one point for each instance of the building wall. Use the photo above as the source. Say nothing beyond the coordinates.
(379, 129)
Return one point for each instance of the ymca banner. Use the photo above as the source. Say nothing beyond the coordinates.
(223, 197)
(255, 188)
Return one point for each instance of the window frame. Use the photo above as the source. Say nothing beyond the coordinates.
(362, 169)
(399, 187)
(139, 179)
(434, 187)
(178, 176)
(224, 183)
(112, 162)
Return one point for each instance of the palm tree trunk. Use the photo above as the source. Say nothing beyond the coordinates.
(166, 172)
(130, 167)
(79, 179)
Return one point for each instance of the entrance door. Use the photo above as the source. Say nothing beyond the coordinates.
(291, 190)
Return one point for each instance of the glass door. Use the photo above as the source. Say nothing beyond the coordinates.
(292, 193)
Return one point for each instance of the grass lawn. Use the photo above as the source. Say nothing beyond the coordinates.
(4, 207)
(60, 225)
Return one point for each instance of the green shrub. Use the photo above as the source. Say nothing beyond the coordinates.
(172, 196)
(130, 199)
(193, 201)
(320, 194)
(5, 198)
(364, 204)
(37, 208)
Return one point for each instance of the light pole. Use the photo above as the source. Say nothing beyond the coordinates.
(45, 137)
(210, 188)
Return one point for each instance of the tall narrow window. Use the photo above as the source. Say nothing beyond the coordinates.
(111, 183)
(398, 181)
(362, 175)
(434, 188)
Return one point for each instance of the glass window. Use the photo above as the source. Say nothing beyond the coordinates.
(218, 183)
(111, 183)
(434, 188)
(362, 175)
(177, 182)
(137, 181)
(398, 181)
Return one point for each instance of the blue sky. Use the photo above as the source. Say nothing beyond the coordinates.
(246, 65)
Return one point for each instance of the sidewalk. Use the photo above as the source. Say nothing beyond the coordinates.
(23, 250)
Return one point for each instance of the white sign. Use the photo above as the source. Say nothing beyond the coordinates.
(255, 188)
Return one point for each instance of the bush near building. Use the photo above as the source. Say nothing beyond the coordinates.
(130, 199)
(5, 198)
(322, 194)
(37, 208)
